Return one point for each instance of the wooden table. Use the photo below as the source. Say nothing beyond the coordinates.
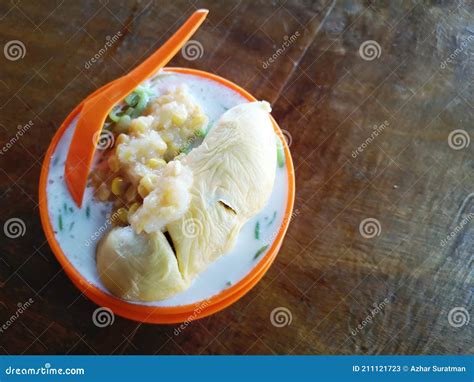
(377, 104)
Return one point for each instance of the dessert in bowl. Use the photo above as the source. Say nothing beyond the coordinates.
(187, 204)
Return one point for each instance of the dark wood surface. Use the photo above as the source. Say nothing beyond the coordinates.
(328, 98)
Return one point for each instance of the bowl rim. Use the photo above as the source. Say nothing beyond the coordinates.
(167, 314)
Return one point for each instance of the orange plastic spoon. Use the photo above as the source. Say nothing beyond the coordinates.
(96, 108)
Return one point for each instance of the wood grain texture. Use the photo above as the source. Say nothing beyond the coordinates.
(327, 98)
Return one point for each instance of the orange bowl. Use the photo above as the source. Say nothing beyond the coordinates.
(172, 314)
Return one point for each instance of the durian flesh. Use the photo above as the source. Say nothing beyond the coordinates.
(231, 178)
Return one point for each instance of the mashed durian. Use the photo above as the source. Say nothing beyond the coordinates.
(168, 201)
(170, 124)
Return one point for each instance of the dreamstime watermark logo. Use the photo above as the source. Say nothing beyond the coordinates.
(369, 228)
(192, 228)
(109, 42)
(45, 370)
(458, 139)
(189, 143)
(457, 229)
(285, 134)
(275, 232)
(370, 50)
(103, 139)
(373, 312)
(287, 42)
(98, 233)
(22, 129)
(458, 317)
(280, 317)
(377, 130)
(22, 307)
(203, 305)
(464, 42)
(14, 228)
(192, 50)
(103, 317)
(14, 50)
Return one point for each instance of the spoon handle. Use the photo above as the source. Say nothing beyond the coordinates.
(125, 85)
(169, 49)
(96, 108)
